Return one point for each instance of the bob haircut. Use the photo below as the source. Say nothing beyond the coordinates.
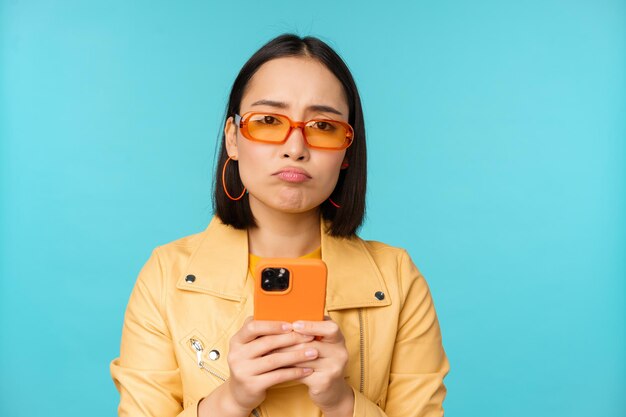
(349, 192)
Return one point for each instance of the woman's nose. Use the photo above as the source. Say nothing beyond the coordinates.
(295, 147)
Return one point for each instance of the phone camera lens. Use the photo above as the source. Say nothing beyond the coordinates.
(269, 273)
(282, 282)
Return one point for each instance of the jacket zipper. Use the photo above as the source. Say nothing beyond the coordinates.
(199, 349)
(197, 346)
(361, 351)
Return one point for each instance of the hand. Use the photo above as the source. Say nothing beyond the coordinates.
(256, 361)
(327, 386)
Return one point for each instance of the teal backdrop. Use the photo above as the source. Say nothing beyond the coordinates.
(497, 157)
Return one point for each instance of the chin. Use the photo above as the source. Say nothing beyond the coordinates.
(292, 207)
(296, 206)
(291, 201)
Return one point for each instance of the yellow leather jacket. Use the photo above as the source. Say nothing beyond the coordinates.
(193, 294)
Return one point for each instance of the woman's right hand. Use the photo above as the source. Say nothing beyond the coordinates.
(255, 367)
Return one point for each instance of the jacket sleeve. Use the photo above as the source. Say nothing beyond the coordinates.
(419, 363)
(146, 373)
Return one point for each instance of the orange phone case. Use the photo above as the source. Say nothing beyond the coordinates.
(304, 298)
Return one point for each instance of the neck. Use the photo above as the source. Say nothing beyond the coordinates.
(284, 235)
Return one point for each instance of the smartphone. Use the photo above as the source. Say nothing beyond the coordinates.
(290, 289)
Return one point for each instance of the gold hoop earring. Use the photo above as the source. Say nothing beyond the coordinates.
(224, 183)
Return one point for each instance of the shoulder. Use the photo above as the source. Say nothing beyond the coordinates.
(397, 269)
(181, 247)
(388, 255)
(383, 249)
(218, 251)
(171, 258)
(367, 256)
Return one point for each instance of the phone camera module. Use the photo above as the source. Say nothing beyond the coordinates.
(275, 279)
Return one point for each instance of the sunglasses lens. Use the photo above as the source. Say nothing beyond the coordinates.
(268, 127)
(327, 134)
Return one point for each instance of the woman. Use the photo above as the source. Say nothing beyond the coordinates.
(283, 189)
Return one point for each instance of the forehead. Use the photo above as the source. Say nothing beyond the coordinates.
(297, 81)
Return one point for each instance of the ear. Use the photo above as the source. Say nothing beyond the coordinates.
(230, 137)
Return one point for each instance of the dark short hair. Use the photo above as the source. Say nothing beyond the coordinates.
(349, 192)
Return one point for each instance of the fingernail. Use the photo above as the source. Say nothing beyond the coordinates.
(286, 326)
(310, 353)
(307, 370)
(298, 326)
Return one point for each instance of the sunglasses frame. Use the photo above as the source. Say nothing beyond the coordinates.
(242, 122)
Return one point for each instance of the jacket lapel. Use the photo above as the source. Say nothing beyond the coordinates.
(353, 277)
(219, 263)
(220, 267)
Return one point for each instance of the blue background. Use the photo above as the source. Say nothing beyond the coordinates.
(497, 138)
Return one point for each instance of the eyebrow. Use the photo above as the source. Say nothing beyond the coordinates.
(283, 105)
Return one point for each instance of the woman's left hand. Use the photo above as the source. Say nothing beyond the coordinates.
(327, 385)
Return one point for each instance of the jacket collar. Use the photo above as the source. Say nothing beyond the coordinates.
(220, 266)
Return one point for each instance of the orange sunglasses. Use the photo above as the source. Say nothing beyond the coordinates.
(275, 128)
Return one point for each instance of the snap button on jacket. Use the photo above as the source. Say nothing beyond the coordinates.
(174, 325)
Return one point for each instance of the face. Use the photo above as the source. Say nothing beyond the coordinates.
(289, 177)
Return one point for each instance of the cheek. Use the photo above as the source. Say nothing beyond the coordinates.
(248, 172)
(331, 170)
(251, 162)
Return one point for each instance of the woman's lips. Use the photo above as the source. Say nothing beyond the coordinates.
(293, 175)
